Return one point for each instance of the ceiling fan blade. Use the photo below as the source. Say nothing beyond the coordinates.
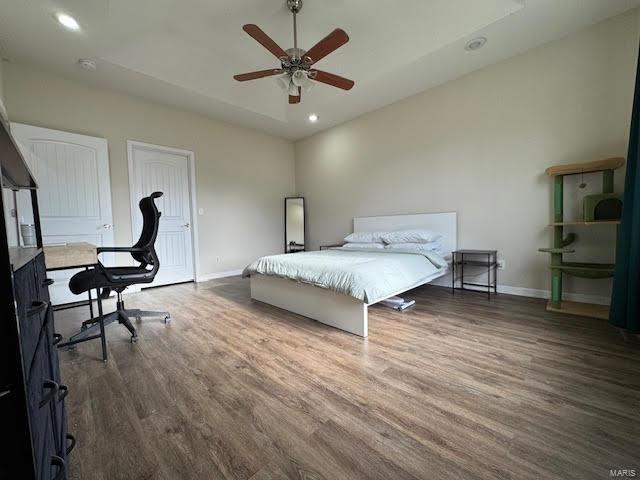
(259, 74)
(333, 80)
(328, 44)
(265, 40)
(296, 99)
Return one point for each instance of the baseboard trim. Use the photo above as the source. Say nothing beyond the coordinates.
(535, 293)
(216, 275)
(130, 289)
(546, 294)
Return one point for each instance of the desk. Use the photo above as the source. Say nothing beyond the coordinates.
(70, 256)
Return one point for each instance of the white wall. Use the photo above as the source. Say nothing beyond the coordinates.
(242, 175)
(479, 146)
(3, 112)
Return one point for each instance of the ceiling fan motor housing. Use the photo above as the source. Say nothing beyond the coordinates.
(294, 5)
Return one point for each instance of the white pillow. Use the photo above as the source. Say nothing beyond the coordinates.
(365, 237)
(418, 247)
(417, 235)
(366, 246)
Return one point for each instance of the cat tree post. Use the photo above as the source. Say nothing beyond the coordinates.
(558, 231)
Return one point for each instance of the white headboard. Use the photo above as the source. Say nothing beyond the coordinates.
(443, 223)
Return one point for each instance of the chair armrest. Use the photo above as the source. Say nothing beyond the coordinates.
(100, 250)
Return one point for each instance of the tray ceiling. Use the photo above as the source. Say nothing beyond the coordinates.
(185, 52)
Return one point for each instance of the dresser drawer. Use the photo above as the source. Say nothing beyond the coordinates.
(58, 405)
(42, 395)
(44, 444)
(31, 309)
(42, 281)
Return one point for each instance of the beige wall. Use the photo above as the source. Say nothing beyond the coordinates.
(479, 146)
(242, 175)
(2, 102)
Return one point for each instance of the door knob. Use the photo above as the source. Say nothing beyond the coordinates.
(187, 225)
(106, 226)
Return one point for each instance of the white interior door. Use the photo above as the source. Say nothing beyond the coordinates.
(74, 192)
(162, 169)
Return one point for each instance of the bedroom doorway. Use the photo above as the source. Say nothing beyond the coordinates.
(171, 171)
(74, 193)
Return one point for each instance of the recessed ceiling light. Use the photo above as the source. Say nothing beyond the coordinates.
(475, 44)
(313, 118)
(67, 21)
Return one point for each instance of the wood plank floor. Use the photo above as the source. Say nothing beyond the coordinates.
(456, 388)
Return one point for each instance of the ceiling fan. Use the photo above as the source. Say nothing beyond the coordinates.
(296, 63)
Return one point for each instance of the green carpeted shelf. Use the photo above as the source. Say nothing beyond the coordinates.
(586, 270)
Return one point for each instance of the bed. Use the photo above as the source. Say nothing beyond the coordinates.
(336, 286)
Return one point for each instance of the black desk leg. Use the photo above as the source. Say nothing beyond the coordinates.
(103, 338)
(90, 299)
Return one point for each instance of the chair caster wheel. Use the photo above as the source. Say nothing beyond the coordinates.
(70, 348)
(134, 339)
(138, 319)
(167, 319)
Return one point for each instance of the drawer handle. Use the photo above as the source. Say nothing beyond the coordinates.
(52, 388)
(56, 461)
(48, 282)
(56, 339)
(71, 443)
(36, 308)
(63, 390)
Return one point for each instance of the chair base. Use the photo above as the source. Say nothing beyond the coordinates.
(94, 328)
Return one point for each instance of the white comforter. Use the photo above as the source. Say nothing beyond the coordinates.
(368, 275)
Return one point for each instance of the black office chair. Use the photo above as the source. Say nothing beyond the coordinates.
(104, 279)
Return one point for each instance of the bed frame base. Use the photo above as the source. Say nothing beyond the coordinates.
(325, 306)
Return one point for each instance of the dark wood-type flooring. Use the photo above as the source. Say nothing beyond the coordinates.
(456, 388)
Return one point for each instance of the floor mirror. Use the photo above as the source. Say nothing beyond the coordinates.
(294, 224)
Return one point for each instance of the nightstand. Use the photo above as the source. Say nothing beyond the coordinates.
(477, 263)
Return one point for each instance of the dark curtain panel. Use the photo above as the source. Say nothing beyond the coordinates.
(625, 301)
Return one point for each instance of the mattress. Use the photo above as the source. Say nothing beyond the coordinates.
(368, 275)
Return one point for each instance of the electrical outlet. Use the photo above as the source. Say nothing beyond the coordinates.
(218, 259)
(502, 264)
(201, 211)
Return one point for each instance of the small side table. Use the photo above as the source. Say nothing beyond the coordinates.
(486, 259)
(327, 247)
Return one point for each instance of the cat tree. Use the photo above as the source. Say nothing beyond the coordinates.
(561, 243)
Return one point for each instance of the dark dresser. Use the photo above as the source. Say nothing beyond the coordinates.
(35, 442)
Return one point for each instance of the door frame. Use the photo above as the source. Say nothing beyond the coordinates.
(191, 166)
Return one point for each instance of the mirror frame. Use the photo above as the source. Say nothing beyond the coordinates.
(304, 223)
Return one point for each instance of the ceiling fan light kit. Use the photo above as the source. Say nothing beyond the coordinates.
(296, 63)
